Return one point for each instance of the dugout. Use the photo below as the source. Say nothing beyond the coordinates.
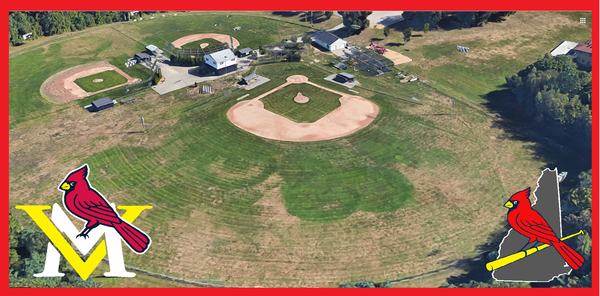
(344, 77)
(103, 104)
(249, 78)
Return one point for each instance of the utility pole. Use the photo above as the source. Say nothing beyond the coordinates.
(143, 124)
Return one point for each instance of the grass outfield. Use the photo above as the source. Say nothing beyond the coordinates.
(496, 50)
(321, 102)
(412, 192)
(28, 70)
(256, 29)
(389, 193)
(196, 44)
(110, 78)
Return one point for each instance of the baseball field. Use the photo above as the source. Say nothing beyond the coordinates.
(420, 186)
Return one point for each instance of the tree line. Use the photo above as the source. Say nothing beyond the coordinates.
(48, 23)
(552, 93)
(461, 19)
(27, 256)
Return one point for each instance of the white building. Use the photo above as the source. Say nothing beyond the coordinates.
(564, 48)
(329, 41)
(222, 62)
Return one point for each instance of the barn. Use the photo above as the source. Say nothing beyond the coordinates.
(329, 41)
(221, 62)
(243, 52)
(583, 53)
(103, 103)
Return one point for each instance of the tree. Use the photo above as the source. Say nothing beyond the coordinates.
(355, 21)
(328, 14)
(407, 33)
(306, 39)
(14, 231)
(386, 31)
(426, 28)
(367, 284)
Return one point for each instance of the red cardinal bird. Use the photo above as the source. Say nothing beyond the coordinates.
(86, 203)
(531, 224)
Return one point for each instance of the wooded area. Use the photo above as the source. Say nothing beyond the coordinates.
(48, 23)
(27, 256)
(460, 19)
(552, 93)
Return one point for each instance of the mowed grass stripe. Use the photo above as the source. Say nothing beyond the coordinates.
(321, 102)
(109, 78)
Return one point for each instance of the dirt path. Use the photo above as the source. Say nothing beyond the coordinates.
(354, 114)
(61, 87)
(191, 38)
(396, 57)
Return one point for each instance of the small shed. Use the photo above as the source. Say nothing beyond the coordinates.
(243, 52)
(103, 103)
(141, 56)
(340, 66)
(345, 77)
(249, 78)
(153, 50)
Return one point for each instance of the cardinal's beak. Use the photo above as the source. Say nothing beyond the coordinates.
(65, 186)
(508, 204)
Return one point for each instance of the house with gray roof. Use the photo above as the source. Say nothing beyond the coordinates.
(329, 41)
(221, 62)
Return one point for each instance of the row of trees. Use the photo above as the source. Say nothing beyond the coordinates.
(187, 60)
(47, 23)
(463, 19)
(552, 93)
(27, 256)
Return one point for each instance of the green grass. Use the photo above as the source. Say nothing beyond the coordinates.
(196, 44)
(110, 79)
(321, 102)
(388, 194)
(256, 30)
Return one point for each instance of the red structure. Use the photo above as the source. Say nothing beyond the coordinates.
(377, 49)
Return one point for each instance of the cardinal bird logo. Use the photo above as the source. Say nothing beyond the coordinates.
(87, 204)
(531, 224)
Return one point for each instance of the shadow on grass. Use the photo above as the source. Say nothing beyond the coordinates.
(555, 151)
(396, 44)
(474, 268)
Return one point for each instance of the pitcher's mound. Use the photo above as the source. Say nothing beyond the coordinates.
(301, 98)
(98, 80)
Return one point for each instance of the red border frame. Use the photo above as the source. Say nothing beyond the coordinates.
(557, 5)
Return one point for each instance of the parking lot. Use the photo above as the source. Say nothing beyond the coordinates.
(177, 77)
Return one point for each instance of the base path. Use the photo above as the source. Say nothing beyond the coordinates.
(61, 87)
(354, 114)
(191, 38)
